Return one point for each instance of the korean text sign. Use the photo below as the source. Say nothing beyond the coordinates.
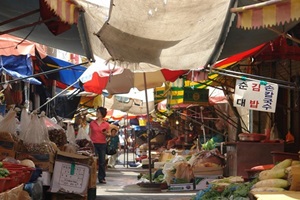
(255, 95)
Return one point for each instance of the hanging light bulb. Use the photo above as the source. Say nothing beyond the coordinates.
(176, 122)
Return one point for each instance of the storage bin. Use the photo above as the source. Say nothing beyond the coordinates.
(279, 156)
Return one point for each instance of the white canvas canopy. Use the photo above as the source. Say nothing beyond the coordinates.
(144, 35)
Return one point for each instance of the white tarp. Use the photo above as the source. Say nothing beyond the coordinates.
(150, 34)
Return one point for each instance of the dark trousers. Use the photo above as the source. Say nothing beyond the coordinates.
(100, 150)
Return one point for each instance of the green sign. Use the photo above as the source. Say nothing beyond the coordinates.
(195, 96)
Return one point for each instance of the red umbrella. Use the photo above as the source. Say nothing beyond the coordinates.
(117, 80)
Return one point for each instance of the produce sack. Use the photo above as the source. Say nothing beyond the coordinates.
(207, 158)
(34, 140)
(70, 147)
(70, 133)
(53, 147)
(184, 173)
(83, 140)
(8, 129)
(56, 133)
(24, 122)
(45, 134)
(169, 168)
(8, 123)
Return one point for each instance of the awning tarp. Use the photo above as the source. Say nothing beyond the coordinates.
(18, 67)
(11, 45)
(267, 14)
(73, 40)
(65, 76)
(149, 34)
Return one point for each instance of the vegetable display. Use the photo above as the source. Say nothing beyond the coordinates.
(3, 171)
(275, 179)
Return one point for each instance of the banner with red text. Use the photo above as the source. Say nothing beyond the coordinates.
(256, 95)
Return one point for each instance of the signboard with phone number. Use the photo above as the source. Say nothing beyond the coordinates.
(256, 95)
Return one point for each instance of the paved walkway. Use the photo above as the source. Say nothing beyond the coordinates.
(122, 184)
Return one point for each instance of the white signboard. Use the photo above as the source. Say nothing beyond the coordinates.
(256, 95)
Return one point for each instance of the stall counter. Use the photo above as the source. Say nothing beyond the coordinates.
(245, 155)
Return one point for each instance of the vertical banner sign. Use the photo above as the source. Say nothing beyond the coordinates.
(255, 95)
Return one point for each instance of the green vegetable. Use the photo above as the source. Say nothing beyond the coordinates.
(209, 145)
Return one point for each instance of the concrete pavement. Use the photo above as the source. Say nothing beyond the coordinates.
(122, 184)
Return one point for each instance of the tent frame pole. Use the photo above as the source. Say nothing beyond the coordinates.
(44, 73)
(148, 129)
(49, 100)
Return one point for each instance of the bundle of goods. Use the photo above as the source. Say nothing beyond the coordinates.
(232, 187)
(208, 162)
(35, 139)
(56, 133)
(9, 140)
(84, 142)
(178, 170)
(283, 176)
(71, 146)
(36, 144)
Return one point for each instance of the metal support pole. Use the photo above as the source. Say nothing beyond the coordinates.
(148, 129)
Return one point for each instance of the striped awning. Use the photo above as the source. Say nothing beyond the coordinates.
(267, 14)
(66, 10)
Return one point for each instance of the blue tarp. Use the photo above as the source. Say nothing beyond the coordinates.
(67, 76)
(18, 67)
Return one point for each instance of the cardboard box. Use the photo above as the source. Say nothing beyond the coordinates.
(73, 157)
(204, 171)
(55, 196)
(181, 187)
(70, 177)
(295, 177)
(43, 161)
(93, 174)
(202, 183)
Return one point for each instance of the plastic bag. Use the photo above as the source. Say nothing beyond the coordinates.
(55, 132)
(82, 134)
(44, 129)
(169, 172)
(24, 122)
(184, 171)
(34, 139)
(8, 123)
(70, 133)
(33, 133)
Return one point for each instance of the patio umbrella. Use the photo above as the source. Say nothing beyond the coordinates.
(118, 80)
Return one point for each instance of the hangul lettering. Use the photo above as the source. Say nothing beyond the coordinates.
(253, 103)
(269, 88)
(269, 94)
(256, 87)
(243, 86)
(241, 102)
(267, 106)
(268, 100)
